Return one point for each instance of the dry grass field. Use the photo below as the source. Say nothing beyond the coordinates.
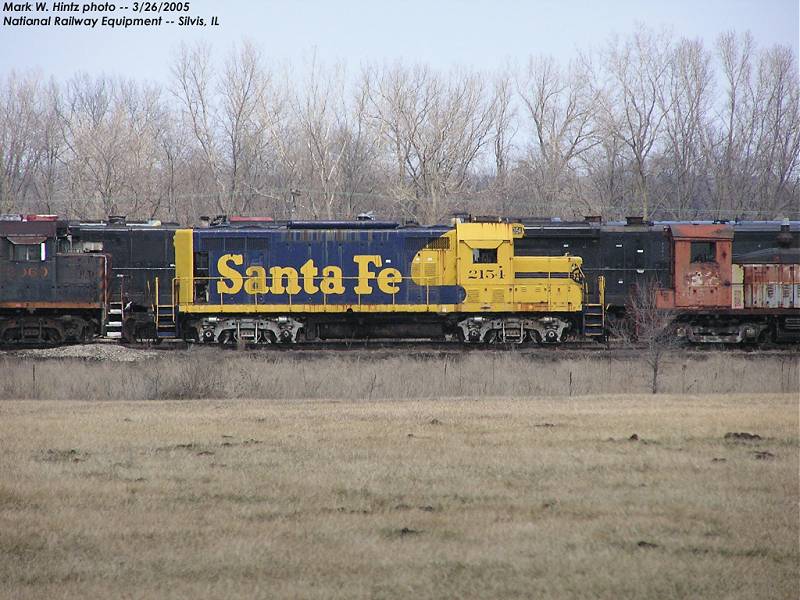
(127, 374)
(492, 497)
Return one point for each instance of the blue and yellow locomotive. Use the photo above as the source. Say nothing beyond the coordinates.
(364, 279)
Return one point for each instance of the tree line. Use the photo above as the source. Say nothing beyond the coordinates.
(650, 125)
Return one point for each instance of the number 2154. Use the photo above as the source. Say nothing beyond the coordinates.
(485, 273)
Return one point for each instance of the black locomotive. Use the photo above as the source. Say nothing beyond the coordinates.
(48, 293)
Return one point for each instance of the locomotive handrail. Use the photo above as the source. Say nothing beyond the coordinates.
(290, 297)
(176, 282)
(157, 306)
(601, 290)
(156, 298)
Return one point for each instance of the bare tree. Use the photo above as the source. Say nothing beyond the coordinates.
(562, 108)
(109, 145)
(778, 102)
(49, 174)
(144, 127)
(360, 165)
(689, 99)
(193, 75)
(635, 102)
(504, 124)
(647, 128)
(437, 128)
(242, 89)
(648, 329)
(731, 138)
(93, 129)
(20, 148)
(754, 144)
(322, 117)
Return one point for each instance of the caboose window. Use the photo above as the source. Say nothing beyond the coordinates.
(28, 252)
(484, 255)
(704, 252)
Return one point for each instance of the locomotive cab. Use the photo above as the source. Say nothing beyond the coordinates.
(701, 267)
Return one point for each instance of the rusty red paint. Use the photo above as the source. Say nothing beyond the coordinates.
(41, 305)
(702, 232)
(43, 228)
(31, 218)
(704, 284)
(665, 299)
(771, 286)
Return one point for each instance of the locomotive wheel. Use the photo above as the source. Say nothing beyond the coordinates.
(267, 337)
(551, 338)
(534, 338)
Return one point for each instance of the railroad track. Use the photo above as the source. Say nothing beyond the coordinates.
(423, 349)
(427, 348)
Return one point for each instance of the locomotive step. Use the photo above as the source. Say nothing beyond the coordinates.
(165, 328)
(593, 330)
(593, 320)
(114, 318)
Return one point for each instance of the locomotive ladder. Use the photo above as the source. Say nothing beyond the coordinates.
(114, 320)
(594, 318)
(165, 316)
(115, 316)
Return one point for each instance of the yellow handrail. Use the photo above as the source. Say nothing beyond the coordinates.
(601, 288)
(253, 298)
(156, 303)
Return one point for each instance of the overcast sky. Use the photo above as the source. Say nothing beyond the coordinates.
(482, 33)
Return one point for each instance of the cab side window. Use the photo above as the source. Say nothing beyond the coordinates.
(28, 252)
(704, 252)
(484, 255)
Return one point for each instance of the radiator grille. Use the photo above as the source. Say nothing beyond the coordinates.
(415, 243)
(441, 243)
